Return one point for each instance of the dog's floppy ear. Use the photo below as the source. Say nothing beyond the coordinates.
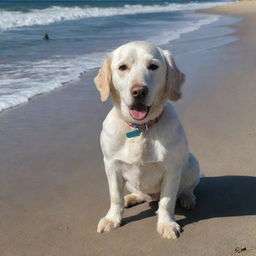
(103, 80)
(174, 78)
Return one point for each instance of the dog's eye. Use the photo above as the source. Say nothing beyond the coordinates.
(122, 67)
(152, 67)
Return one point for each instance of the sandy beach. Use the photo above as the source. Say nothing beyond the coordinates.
(53, 188)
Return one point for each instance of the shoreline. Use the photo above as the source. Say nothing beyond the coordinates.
(45, 94)
(53, 189)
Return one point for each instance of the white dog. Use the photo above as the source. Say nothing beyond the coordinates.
(142, 140)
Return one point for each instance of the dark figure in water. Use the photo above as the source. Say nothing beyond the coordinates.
(46, 37)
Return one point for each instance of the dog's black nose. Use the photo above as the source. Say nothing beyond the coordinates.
(139, 91)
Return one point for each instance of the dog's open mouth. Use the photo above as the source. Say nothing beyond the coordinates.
(139, 111)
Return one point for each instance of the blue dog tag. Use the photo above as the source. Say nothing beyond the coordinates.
(134, 133)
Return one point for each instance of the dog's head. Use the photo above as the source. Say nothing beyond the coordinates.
(140, 77)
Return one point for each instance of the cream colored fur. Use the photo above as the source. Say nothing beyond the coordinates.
(157, 164)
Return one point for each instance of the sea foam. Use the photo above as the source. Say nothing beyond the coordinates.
(168, 36)
(19, 83)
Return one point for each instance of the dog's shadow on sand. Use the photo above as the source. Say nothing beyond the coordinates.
(223, 196)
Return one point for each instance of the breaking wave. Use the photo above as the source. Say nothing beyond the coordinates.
(16, 19)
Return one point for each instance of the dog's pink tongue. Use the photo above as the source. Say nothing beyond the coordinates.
(138, 114)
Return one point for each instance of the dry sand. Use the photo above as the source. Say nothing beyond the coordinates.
(53, 188)
(244, 8)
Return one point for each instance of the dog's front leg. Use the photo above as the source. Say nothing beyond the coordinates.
(116, 185)
(166, 225)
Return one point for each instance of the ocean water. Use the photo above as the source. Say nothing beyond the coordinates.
(82, 32)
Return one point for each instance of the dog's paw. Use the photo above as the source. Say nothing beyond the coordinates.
(187, 202)
(132, 199)
(106, 225)
(169, 230)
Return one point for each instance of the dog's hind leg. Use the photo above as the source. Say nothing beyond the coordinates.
(135, 197)
(190, 179)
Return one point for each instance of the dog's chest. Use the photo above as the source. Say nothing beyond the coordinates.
(141, 150)
(145, 178)
(140, 160)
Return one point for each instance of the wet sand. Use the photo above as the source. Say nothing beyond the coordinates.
(53, 189)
